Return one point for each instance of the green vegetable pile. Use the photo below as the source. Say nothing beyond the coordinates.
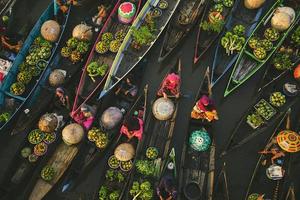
(152, 153)
(214, 23)
(25, 152)
(146, 167)
(296, 37)
(282, 61)
(264, 109)
(17, 88)
(234, 41)
(75, 49)
(254, 120)
(4, 117)
(49, 138)
(104, 194)
(47, 173)
(141, 191)
(95, 69)
(277, 99)
(114, 175)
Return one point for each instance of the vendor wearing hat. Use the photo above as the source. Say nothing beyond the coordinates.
(61, 98)
(85, 117)
(204, 109)
(170, 86)
(132, 127)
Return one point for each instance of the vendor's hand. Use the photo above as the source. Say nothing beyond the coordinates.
(160, 197)
(165, 95)
(177, 95)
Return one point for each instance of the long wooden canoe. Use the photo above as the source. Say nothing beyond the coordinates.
(259, 183)
(243, 133)
(239, 16)
(20, 101)
(206, 38)
(196, 176)
(158, 135)
(139, 105)
(247, 64)
(128, 57)
(88, 86)
(180, 25)
(90, 154)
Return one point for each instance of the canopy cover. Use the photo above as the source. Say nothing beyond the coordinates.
(124, 152)
(200, 140)
(289, 141)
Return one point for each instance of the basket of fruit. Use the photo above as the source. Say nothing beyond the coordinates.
(114, 46)
(266, 44)
(253, 42)
(24, 77)
(32, 158)
(47, 173)
(41, 64)
(253, 196)
(25, 152)
(93, 134)
(126, 165)
(102, 47)
(17, 88)
(228, 3)
(75, 57)
(254, 120)
(49, 138)
(40, 149)
(35, 71)
(151, 153)
(113, 162)
(120, 35)
(163, 4)
(277, 99)
(107, 37)
(101, 141)
(66, 52)
(264, 109)
(36, 136)
(72, 43)
(271, 34)
(82, 47)
(260, 53)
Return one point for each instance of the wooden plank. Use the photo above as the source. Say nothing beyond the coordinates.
(60, 161)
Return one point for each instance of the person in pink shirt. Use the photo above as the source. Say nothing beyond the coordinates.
(85, 117)
(132, 127)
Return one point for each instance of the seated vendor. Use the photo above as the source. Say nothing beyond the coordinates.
(132, 127)
(85, 117)
(166, 189)
(127, 88)
(99, 18)
(204, 109)
(170, 86)
(61, 99)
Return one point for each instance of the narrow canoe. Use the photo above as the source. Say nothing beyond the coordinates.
(259, 182)
(240, 16)
(247, 63)
(206, 38)
(89, 85)
(128, 57)
(180, 26)
(19, 102)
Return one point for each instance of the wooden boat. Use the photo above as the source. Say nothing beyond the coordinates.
(291, 194)
(139, 106)
(247, 63)
(271, 188)
(131, 52)
(19, 169)
(239, 16)
(19, 101)
(158, 136)
(89, 85)
(89, 154)
(196, 178)
(180, 26)
(205, 38)
(272, 74)
(244, 131)
(221, 190)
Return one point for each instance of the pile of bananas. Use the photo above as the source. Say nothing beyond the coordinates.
(277, 99)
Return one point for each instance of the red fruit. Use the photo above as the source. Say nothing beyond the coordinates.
(297, 72)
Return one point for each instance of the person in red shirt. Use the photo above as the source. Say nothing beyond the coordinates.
(132, 127)
(170, 86)
(205, 109)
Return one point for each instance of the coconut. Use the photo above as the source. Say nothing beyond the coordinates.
(72, 134)
(50, 30)
(57, 78)
(281, 21)
(253, 4)
(82, 32)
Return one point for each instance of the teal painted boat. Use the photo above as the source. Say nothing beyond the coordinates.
(128, 56)
(12, 104)
(248, 63)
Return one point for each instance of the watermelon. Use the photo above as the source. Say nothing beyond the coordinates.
(126, 12)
